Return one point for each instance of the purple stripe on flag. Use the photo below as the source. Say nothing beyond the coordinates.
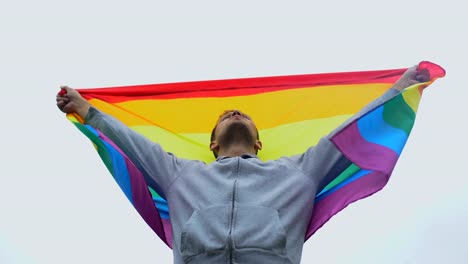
(167, 227)
(366, 155)
(142, 200)
(337, 201)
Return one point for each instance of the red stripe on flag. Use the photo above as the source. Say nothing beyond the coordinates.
(237, 87)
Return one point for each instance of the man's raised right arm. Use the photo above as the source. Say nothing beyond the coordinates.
(158, 167)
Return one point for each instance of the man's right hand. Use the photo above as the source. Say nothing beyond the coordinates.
(70, 101)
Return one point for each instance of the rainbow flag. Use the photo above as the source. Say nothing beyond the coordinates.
(291, 113)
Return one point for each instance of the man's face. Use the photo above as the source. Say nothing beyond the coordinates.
(235, 127)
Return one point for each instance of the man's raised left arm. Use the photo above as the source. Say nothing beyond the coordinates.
(325, 161)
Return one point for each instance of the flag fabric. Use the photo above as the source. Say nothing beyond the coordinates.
(291, 113)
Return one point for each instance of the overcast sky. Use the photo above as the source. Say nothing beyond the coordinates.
(58, 203)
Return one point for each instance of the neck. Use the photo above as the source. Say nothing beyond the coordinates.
(235, 151)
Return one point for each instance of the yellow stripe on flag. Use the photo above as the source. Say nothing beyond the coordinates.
(199, 115)
(288, 139)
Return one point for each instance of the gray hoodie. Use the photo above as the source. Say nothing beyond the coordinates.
(236, 209)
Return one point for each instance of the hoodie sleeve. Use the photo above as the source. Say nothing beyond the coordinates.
(159, 168)
(324, 162)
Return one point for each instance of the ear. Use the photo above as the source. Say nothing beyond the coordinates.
(258, 145)
(214, 146)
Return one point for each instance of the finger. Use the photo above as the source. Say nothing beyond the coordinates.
(61, 105)
(423, 75)
(64, 100)
(61, 98)
(67, 108)
(422, 78)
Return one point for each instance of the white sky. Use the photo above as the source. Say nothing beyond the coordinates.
(58, 204)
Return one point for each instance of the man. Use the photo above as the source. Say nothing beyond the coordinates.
(238, 209)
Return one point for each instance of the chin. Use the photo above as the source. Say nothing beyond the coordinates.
(237, 133)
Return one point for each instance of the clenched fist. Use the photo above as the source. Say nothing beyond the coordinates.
(70, 101)
(412, 76)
